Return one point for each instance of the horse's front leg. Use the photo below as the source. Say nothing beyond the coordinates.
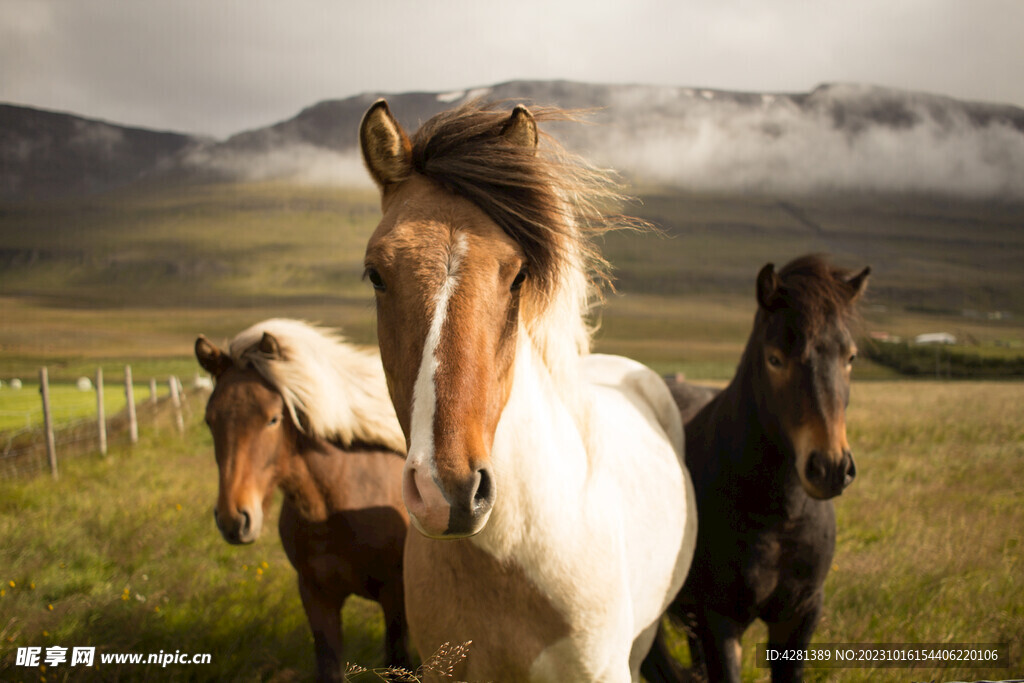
(659, 666)
(324, 616)
(396, 631)
(720, 644)
(794, 634)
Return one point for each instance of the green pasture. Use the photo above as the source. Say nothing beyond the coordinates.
(135, 275)
(20, 409)
(122, 553)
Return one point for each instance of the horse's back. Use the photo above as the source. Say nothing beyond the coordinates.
(642, 387)
(690, 398)
(636, 426)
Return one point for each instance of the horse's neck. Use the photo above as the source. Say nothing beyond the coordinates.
(310, 477)
(746, 448)
(538, 456)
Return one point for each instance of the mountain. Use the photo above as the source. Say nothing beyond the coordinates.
(48, 154)
(837, 138)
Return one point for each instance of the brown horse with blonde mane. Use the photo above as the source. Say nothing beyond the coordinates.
(767, 454)
(297, 409)
(544, 482)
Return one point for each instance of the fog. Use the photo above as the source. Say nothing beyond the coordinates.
(840, 138)
(858, 143)
(301, 163)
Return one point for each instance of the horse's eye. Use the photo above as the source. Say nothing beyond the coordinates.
(518, 281)
(774, 361)
(375, 279)
(274, 421)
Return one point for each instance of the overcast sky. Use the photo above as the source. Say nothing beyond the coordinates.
(221, 66)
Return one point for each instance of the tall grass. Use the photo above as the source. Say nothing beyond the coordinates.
(122, 553)
(20, 409)
(929, 544)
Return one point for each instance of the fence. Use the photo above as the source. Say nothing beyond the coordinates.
(37, 448)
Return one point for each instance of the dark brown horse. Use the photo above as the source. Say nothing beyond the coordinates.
(297, 409)
(766, 456)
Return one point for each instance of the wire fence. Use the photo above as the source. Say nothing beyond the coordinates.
(23, 451)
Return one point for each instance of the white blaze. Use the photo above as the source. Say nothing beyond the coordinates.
(424, 396)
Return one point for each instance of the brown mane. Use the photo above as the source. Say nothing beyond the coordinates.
(551, 202)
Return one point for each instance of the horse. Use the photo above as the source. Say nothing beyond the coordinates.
(296, 408)
(553, 511)
(689, 398)
(767, 455)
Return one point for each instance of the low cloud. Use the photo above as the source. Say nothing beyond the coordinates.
(781, 145)
(835, 139)
(297, 162)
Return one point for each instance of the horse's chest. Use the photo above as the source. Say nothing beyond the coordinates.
(338, 555)
(456, 593)
(786, 566)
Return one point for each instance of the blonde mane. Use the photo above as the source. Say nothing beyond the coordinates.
(332, 389)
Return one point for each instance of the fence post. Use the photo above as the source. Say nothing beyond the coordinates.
(179, 422)
(129, 393)
(101, 414)
(51, 448)
(152, 390)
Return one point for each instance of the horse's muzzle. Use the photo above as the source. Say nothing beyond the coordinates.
(829, 476)
(240, 529)
(457, 510)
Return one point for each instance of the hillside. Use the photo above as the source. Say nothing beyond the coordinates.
(135, 241)
(141, 274)
(48, 154)
(838, 138)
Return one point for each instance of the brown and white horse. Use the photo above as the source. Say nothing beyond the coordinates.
(555, 513)
(295, 408)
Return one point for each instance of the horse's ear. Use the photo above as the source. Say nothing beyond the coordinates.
(210, 358)
(269, 346)
(521, 128)
(767, 287)
(387, 151)
(859, 283)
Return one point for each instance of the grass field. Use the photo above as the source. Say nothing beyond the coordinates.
(23, 408)
(134, 276)
(122, 553)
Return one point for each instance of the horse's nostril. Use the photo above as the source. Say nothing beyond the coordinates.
(484, 489)
(246, 523)
(410, 489)
(849, 469)
(817, 468)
